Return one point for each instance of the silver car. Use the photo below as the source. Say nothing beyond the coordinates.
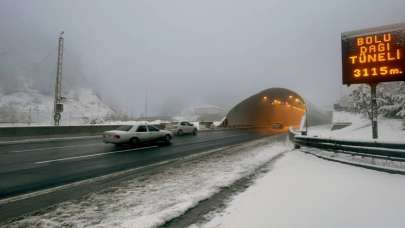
(135, 134)
(183, 127)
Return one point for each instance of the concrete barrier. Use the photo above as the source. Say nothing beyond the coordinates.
(53, 130)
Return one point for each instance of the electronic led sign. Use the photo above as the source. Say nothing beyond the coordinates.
(374, 55)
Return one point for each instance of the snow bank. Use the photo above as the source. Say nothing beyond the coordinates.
(389, 129)
(150, 200)
(304, 191)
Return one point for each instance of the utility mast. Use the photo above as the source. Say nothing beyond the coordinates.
(58, 106)
(146, 105)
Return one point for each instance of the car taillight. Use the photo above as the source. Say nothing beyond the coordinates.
(116, 136)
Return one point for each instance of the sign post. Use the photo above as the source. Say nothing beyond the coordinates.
(374, 113)
(372, 56)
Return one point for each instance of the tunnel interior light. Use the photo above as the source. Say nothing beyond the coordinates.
(290, 97)
(276, 102)
(265, 98)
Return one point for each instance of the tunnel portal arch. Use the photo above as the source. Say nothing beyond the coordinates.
(276, 106)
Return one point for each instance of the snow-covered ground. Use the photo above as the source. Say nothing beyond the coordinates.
(304, 191)
(389, 129)
(149, 200)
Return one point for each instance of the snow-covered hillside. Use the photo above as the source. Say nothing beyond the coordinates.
(82, 106)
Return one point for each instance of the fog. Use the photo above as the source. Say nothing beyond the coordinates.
(180, 53)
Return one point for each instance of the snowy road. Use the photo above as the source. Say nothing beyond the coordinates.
(153, 198)
(29, 167)
(296, 190)
(304, 191)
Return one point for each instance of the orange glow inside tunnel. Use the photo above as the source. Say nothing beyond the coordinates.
(272, 110)
(283, 115)
(279, 116)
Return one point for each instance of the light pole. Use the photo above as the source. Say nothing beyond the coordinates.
(58, 106)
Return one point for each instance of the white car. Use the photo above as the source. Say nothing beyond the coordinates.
(135, 134)
(180, 128)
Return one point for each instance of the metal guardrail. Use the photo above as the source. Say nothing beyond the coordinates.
(364, 148)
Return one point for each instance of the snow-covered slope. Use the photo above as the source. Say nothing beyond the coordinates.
(82, 106)
(390, 130)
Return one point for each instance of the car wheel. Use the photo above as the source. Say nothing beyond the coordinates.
(168, 138)
(165, 140)
(195, 131)
(134, 141)
(180, 132)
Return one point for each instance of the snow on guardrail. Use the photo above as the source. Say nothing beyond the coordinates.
(385, 149)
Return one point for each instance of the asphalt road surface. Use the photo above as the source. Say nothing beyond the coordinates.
(28, 167)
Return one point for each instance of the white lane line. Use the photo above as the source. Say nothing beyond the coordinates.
(93, 144)
(56, 147)
(93, 155)
(105, 177)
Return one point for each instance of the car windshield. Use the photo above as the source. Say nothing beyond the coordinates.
(124, 128)
(152, 128)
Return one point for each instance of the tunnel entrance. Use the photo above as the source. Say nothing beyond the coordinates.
(276, 109)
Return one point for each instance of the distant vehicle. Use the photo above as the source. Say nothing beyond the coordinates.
(277, 126)
(181, 128)
(135, 134)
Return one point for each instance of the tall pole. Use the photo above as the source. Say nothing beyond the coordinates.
(374, 110)
(146, 105)
(29, 116)
(306, 123)
(57, 109)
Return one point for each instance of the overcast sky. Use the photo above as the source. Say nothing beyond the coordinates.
(187, 52)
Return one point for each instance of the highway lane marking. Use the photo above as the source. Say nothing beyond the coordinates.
(93, 155)
(93, 144)
(112, 152)
(56, 147)
(111, 175)
(39, 140)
